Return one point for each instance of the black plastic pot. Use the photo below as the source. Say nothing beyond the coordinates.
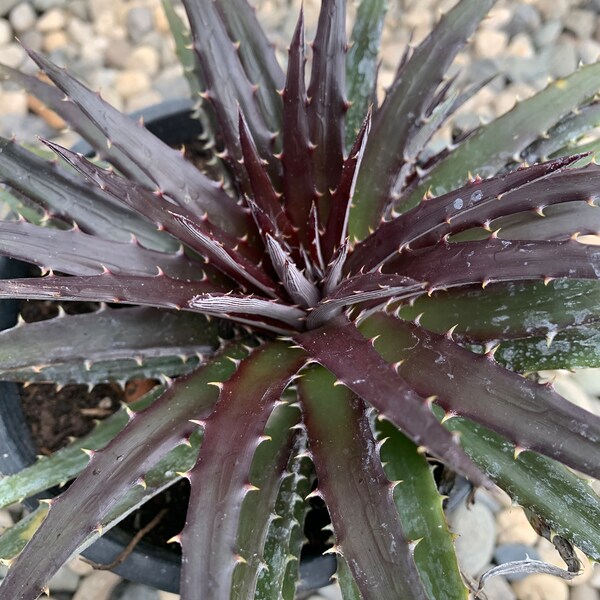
(148, 564)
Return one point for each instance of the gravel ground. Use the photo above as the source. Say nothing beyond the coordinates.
(123, 48)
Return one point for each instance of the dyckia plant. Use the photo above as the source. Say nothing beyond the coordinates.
(374, 289)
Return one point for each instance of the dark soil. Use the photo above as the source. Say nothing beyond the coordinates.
(54, 416)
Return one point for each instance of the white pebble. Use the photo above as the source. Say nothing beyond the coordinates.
(22, 17)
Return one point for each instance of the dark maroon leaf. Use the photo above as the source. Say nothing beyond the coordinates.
(531, 415)
(342, 349)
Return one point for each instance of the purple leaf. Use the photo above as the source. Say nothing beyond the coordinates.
(341, 348)
(171, 173)
(531, 415)
(359, 497)
(220, 479)
(464, 263)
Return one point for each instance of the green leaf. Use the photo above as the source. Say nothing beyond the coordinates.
(420, 507)
(346, 582)
(68, 462)
(554, 493)
(366, 525)
(492, 146)
(107, 345)
(14, 539)
(578, 347)
(221, 479)
(268, 473)
(286, 531)
(361, 63)
(508, 310)
(391, 152)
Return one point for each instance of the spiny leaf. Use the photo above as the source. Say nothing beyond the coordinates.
(257, 57)
(473, 205)
(368, 532)
(220, 478)
(532, 415)
(68, 462)
(405, 105)
(84, 348)
(423, 520)
(228, 87)
(299, 188)
(147, 437)
(489, 148)
(94, 212)
(507, 310)
(562, 499)
(342, 349)
(361, 64)
(164, 166)
(268, 473)
(464, 263)
(76, 253)
(327, 107)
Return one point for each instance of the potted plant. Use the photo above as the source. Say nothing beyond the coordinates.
(373, 292)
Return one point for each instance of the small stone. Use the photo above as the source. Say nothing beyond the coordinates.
(13, 55)
(581, 23)
(476, 531)
(80, 31)
(6, 519)
(80, 9)
(32, 39)
(137, 591)
(521, 46)
(541, 586)
(563, 60)
(589, 51)
(331, 592)
(131, 83)
(555, 9)
(117, 53)
(525, 18)
(22, 17)
(497, 18)
(144, 58)
(511, 552)
(514, 528)
(595, 578)
(548, 34)
(584, 592)
(98, 586)
(140, 21)
(6, 6)
(139, 101)
(64, 581)
(162, 595)
(171, 84)
(80, 567)
(490, 43)
(6, 34)
(54, 41)
(53, 20)
(43, 6)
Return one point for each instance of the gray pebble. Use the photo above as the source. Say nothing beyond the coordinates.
(510, 552)
(80, 9)
(525, 18)
(140, 21)
(547, 34)
(22, 17)
(134, 591)
(6, 34)
(563, 60)
(64, 581)
(6, 6)
(13, 55)
(581, 23)
(584, 592)
(45, 5)
(32, 39)
(476, 532)
(117, 54)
